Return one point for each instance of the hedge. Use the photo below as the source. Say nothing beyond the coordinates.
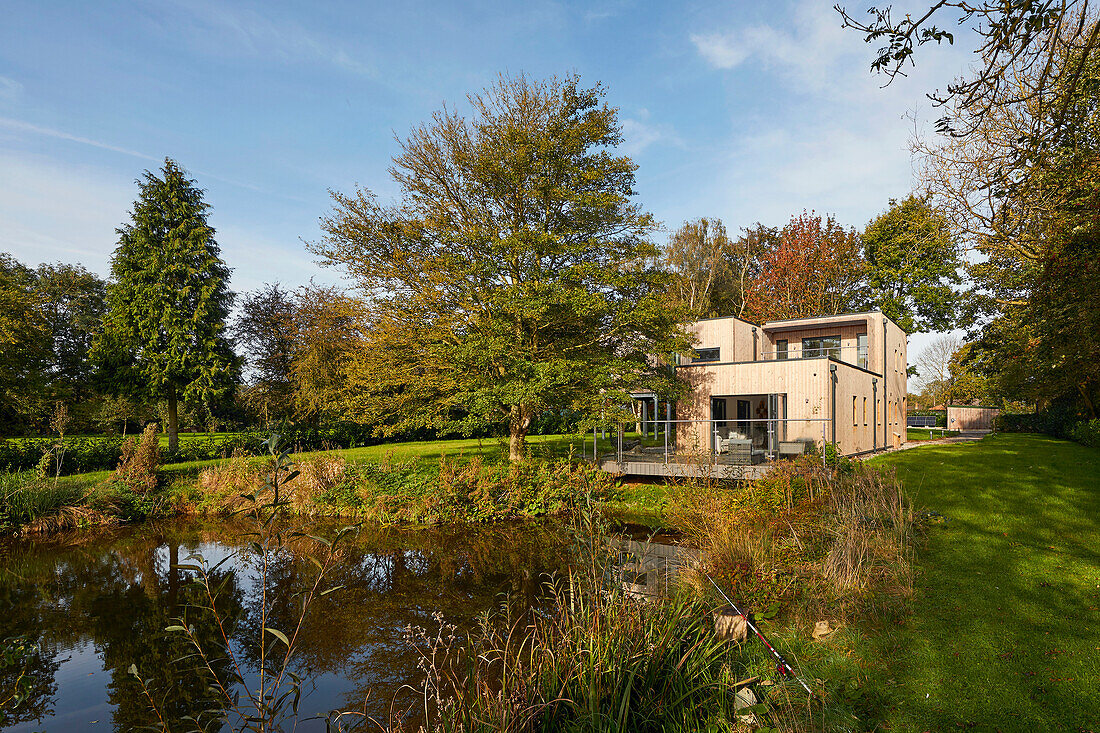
(101, 453)
(1086, 432)
(1062, 420)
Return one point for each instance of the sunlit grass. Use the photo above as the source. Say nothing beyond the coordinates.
(1006, 618)
(929, 433)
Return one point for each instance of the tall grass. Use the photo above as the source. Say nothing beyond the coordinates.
(593, 658)
(27, 499)
(816, 541)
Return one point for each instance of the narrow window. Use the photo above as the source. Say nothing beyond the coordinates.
(864, 410)
(781, 349)
(854, 422)
(861, 350)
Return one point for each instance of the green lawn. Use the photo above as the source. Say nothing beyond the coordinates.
(423, 452)
(928, 433)
(1005, 631)
(490, 449)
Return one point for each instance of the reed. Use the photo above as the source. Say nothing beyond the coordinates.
(592, 659)
(26, 498)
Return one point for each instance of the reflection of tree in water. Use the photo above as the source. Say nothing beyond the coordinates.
(129, 627)
(395, 578)
(27, 683)
(121, 599)
(120, 591)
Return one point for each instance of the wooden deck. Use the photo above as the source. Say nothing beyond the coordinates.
(649, 466)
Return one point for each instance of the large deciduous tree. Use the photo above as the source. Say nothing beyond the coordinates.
(24, 345)
(912, 262)
(74, 302)
(164, 335)
(1032, 217)
(516, 273)
(814, 268)
(328, 341)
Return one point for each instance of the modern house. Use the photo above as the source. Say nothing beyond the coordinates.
(762, 392)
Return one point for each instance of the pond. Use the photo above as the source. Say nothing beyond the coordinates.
(97, 602)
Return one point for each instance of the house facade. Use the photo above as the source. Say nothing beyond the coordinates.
(774, 388)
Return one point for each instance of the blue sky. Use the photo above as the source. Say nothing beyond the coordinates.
(742, 110)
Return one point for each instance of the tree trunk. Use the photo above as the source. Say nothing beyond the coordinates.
(1088, 400)
(518, 423)
(173, 421)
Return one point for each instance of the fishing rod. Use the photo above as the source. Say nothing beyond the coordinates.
(781, 664)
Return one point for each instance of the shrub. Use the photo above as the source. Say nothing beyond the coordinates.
(137, 468)
(1057, 419)
(810, 538)
(1086, 432)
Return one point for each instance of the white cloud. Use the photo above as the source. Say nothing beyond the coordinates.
(639, 134)
(813, 53)
(9, 88)
(21, 126)
(235, 31)
(721, 50)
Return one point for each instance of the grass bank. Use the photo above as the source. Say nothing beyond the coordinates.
(424, 482)
(1003, 633)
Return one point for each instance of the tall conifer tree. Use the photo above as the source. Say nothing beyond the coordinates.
(164, 334)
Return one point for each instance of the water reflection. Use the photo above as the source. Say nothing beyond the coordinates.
(98, 603)
(95, 603)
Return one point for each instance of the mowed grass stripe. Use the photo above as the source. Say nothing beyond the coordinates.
(1005, 633)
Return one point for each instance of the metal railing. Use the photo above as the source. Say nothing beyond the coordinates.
(795, 351)
(729, 441)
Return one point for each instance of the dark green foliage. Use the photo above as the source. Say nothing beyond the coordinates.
(1086, 432)
(81, 454)
(912, 262)
(1056, 419)
(164, 336)
(101, 453)
(74, 303)
(265, 331)
(24, 346)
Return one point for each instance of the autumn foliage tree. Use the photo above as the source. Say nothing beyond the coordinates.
(814, 268)
(329, 326)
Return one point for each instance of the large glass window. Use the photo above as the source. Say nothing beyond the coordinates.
(781, 349)
(707, 354)
(821, 346)
(861, 350)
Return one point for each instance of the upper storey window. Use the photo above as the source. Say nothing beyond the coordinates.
(781, 351)
(821, 346)
(707, 354)
(861, 350)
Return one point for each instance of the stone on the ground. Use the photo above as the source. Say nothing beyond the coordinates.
(730, 625)
(822, 630)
